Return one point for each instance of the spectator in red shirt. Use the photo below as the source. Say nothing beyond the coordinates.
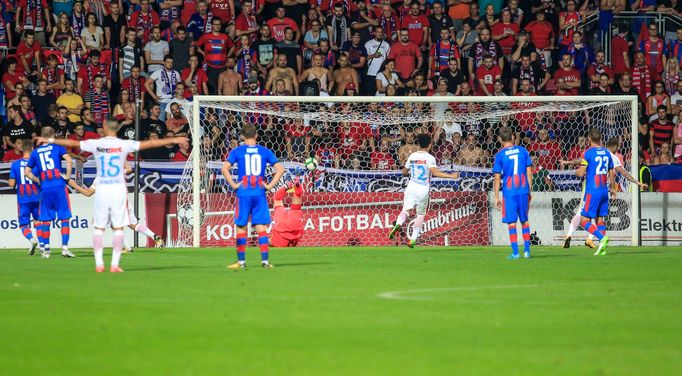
(542, 36)
(655, 52)
(417, 25)
(620, 55)
(641, 76)
(194, 75)
(54, 76)
(599, 67)
(35, 18)
(504, 33)
(224, 9)
(29, 51)
(570, 75)
(13, 77)
(13, 154)
(87, 73)
(381, 159)
(486, 75)
(215, 46)
(246, 23)
(80, 134)
(182, 155)
(389, 22)
(408, 58)
(548, 152)
(352, 136)
(280, 23)
(134, 84)
(143, 20)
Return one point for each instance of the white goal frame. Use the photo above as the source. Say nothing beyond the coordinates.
(198, 100)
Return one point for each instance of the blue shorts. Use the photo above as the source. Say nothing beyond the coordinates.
(515, 208)
(27, 211)
(596, 205)
(254, 206)
(54, 203)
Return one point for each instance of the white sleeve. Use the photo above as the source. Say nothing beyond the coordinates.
(407, 162)
(132, 146)
(155, 76)
(616, 161)
(88, 146)
(431, 160)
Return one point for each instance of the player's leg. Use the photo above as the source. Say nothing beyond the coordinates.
(602, 212)
(64, 216)
(421, 209)
(523, 208)
(260, 217)
(98, 248)
(118, 215)
(25, 212)
(510, 217)
(590, 211)
(242, 209)
(46, 215)
(409, 202)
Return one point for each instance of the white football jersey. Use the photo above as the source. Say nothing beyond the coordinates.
(419, 163)
(616, 160)
(110, 157)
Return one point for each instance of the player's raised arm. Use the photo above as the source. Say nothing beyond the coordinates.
(435, 171)
(154, 144)
(82, 190)
(69, 166)
(58, 141)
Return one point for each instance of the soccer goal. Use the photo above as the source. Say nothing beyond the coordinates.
(360, 143)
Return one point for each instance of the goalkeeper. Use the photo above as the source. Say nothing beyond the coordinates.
(287, 229)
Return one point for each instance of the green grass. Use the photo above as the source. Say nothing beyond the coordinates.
(321, 311)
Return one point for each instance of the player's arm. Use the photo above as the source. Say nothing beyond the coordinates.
(69, 166)
(128, 168)
(279, 171)
(154, 144)
(82, 190)
(629, 177)
(529, 174)
(573, 162)
(405, 171)
(496, 191)
(58, 141)
(612, 182)
(580, 172)
(28, 172)
(440, 174)
(227, 174)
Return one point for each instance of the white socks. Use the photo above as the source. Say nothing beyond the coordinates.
(118, 247)
(401, 218)
(417, 226)
(98, 246)
(143, 229)
(575, 224)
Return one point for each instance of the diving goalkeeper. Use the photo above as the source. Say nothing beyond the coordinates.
(287, 229)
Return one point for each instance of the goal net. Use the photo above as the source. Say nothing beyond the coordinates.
(361, 143)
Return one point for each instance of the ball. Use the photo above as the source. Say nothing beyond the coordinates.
(310, 164)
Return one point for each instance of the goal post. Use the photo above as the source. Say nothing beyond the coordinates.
(293, 123)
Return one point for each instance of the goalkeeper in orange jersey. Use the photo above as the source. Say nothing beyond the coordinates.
(287, 229)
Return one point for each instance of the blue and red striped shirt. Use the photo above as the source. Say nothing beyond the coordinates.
(27, 190)
(47, 161)
(599, 163)
(251, 161)
(512, 164)
(215, 49)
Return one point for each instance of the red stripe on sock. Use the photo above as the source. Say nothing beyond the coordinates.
(526, 236)
(241, 248)
(264, 248)
(241, 235)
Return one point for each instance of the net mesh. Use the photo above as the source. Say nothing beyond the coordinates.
(355, 194)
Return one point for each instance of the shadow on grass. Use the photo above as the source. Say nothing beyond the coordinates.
(170, 267)
(625, 253)
(548, 256)
(295, 264)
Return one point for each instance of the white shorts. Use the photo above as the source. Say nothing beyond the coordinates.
(111, 208)
(416, 197)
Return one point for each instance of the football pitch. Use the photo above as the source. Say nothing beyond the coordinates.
(345, 311)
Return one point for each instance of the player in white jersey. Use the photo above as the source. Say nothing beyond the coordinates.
(135, 225)
(110, 209)
(612, 145)
(420, 166)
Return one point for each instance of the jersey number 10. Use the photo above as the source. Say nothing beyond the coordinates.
(253, 164)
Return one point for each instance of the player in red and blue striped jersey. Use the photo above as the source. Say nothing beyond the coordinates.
(514, 165)
(251, 160)
(28, 194)
(597, 168)
(54, 199)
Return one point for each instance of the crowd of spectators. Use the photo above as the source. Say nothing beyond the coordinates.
(71, 64)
